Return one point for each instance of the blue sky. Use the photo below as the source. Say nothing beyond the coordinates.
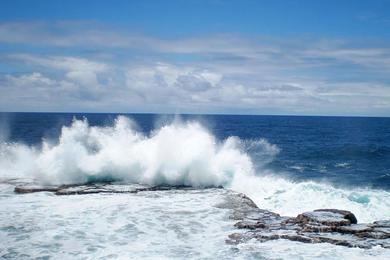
(242, 57)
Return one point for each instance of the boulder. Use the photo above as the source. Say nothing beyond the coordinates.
(327, 217)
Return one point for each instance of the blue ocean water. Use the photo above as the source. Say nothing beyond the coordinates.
(343, 151)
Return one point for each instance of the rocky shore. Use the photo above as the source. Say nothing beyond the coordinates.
(339, 227)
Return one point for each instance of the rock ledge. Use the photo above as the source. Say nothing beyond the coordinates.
(333, 226)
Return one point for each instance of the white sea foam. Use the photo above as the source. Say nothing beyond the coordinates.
(291, 198)
(153, 225)
(173, 224)
(180, 154)
(175, 154)
(285, 249)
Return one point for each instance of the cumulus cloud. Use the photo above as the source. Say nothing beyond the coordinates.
(28, 80)
(114, 70)
(170, 83)
(77, 69)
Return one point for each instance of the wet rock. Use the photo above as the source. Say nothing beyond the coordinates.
(235, 238)
(297, 237)
(32, 188)
(106, 188)
(83, 189)
(385, 230)
(249, 224)
(354, 229)
(327, 217)
(94, 188)
(381, 223)
(347, 214)
(338, 227)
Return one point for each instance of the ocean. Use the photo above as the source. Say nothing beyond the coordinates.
(286, 164)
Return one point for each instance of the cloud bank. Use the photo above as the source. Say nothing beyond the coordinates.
(73, 66)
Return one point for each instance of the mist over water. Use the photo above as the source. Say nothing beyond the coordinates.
(179, 153)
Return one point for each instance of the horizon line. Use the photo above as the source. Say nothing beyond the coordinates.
(190, 114)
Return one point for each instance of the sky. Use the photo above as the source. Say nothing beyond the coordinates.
(195, 56)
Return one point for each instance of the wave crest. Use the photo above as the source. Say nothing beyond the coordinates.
(175, 154)
(179, 154)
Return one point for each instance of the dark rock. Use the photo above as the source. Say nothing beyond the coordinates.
(347, 214)
(338, 227)
(298, 238)
(249, 224)
(31, 189)
(327, 217)
(382, 223)
(92, 188)
(355, 228)
(385, 230)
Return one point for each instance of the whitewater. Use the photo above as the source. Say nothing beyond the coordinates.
(175, 154)
(179, 153)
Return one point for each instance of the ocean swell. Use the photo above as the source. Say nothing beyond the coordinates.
(179, 154)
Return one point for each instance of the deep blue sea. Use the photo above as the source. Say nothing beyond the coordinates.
(343, 151)
(285, 164)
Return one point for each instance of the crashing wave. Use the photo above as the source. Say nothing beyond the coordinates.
(179, 154)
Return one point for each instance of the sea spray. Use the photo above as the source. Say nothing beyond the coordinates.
(179, 153)
(175, 154)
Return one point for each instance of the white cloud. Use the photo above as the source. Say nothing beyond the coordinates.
(162, 81)
(273, 51)
(115, 70)
(78, 70)
(27, 80)
(62, 62)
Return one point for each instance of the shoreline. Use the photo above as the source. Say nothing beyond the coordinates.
(334, 226)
